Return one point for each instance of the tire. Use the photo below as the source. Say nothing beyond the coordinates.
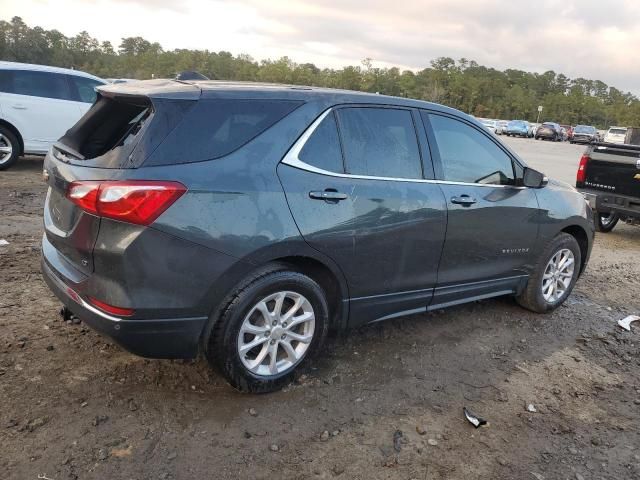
(532, 297)
(606, 221)
(8, 141)
(222, 348)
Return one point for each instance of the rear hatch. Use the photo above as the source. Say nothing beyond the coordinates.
(614, 170)
(120, 130)
(546, 130)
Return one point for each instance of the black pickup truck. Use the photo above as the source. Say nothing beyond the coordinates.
(609, 178)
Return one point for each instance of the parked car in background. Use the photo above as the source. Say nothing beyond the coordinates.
(549, 131)
(615, 135)
(568, 131)
(517, 128)
(244, 221)
(37, 105)
(489, 124)
(609, 178)
(501, 126)
(584, 134)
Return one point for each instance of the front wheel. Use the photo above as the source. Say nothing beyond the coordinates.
(554, 275)
(606, 221)
(273, 323)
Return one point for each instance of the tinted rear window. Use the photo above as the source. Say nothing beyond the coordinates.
(216, 127)
(380, 142)
(322, 150)
(35, 84)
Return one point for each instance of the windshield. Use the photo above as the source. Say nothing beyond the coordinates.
(584, 129)
(517, 123)
(618, 131)
(489, 123)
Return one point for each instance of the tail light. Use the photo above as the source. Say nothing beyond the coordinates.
(105, 307)
(136, 201)
(581, 176)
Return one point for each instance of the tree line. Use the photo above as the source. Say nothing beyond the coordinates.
(462, 84)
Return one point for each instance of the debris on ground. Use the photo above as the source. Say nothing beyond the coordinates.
(626, 322)
(531, 408)
(324, 436)
(3, 242)
(473, 419)
(397, 441)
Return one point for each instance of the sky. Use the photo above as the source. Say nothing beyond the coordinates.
(598, 40)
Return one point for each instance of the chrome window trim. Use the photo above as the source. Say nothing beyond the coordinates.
(293, 160)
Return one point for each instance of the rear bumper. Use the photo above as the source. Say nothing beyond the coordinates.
(154, 338)
(582, 139)
(605, 202)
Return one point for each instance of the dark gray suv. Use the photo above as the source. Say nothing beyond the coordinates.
(244, 220)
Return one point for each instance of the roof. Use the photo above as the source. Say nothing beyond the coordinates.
(178, 89)
(45, 68)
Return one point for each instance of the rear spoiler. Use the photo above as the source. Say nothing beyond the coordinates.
(168, 89)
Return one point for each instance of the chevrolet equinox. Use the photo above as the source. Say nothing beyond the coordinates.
(245, 220)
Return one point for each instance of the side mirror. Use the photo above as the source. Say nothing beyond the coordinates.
(533, 178)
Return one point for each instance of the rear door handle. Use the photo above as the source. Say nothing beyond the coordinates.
(464, 200)
(18, 106)
(329, 195)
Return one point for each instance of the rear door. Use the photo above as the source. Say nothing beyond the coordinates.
(357, 191)
(39, 104)
(83, 91)
(492, 223)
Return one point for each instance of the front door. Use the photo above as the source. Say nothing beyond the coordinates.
(361, 198)
(492, 222)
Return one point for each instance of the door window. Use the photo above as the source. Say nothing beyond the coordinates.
(35, 84)
(84, 88)
(379, 142)
(467, 155)
(322, 149)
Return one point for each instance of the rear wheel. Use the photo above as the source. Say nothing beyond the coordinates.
(9, 148)
(606, 221)
(271, 326)
(554, 275)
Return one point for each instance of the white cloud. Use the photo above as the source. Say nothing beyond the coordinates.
(581, 38)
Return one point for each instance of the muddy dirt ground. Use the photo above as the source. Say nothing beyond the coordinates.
(73, 405)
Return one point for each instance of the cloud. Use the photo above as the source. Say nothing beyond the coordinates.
(580, 38)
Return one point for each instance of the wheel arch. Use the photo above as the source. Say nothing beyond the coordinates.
(296, 256)
(15, 131)
(580, 234)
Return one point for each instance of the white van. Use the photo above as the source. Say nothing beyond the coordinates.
(38, 104)
(615, 135)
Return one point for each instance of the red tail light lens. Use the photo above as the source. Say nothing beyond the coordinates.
(105, 307)
(136, 201)
(581, 176)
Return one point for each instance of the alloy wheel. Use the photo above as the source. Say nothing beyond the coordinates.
(606, 219)
(276, 333)
(6, 149)
(558, 275)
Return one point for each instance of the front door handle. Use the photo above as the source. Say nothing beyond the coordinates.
(18, 106)
(330, 195)
(464, 200)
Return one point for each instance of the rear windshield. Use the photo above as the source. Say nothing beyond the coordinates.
(618, 131)
(127, 132)
(216, 127)
(584, 129)
(517, 123)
